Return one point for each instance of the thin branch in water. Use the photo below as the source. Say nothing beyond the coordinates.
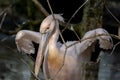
(2, 13)
(6, 9)
(8, 47)
(14, 51)
(30, 69)
(3, 18)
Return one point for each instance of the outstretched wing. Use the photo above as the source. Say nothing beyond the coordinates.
(87, 45)
(24, 40)
(100, 34)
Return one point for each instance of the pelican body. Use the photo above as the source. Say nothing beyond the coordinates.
(75, 55)
(54, 53)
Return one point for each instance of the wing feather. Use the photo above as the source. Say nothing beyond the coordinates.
(24, 40)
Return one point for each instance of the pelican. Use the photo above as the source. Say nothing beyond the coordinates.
(53, 51)
(75, 55)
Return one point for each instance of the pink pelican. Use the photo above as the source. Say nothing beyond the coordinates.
(54, 51)
(75, 55)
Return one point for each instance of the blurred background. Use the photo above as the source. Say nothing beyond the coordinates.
(16, 15)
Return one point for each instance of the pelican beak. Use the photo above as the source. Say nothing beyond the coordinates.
(42, 51)
(44, 42)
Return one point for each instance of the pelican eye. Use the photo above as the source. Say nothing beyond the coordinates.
(47, 28)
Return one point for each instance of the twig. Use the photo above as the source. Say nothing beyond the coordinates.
(55, 19)
(63, 58)
(60, 66)
(3, 18)
(115, 36)
(112, 35)
(75, 33)
(63, 42)
(112, 14)
(51, 9)
(62, 39)
(67, 24)
(74, 14)
(40, 7)
(2, 12)
(6, 9)
(114, 47)
(44, 11)
(30, 69)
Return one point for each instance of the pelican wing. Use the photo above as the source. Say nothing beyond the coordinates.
(105, 39)
(24, 40)
(100, 34)
(89, 40)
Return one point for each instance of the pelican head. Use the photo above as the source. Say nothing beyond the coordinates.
(48, 27)
(49, 23)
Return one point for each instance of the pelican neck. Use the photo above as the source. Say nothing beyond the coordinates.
(54, 37)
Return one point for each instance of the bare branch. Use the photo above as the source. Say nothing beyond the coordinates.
(40, 7)
(112, 14)
(3, 18)
(29, 69)
(114, 47)
(75, 14)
